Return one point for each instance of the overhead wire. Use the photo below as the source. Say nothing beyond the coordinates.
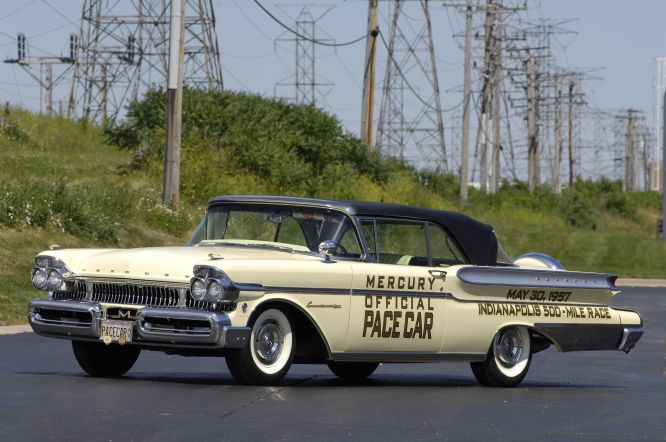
(305, 37)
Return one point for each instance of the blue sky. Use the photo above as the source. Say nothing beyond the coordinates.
(620, 38)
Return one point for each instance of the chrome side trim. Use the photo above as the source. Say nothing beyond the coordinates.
(406, 293)
(400, 356)
(630, 336)
(511, 276)
(307, 290)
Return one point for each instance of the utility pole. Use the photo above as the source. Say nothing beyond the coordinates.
(486, 92)
(171, 185)
(464, 156)
(532, 127)
(630, 153)
(572, 177)
(369, 76)
(557, 178)
(497, 91)
(663, 169)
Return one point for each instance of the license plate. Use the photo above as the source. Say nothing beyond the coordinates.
(116, 331)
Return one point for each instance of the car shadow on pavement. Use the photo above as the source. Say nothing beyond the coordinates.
(320, 381)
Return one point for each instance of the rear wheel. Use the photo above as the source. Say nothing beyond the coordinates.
(266, 359)
(98, 359)
(352, 371)
(508, 359)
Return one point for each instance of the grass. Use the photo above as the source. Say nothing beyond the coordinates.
(62, 183)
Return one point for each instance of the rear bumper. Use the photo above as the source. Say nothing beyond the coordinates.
(630, 336)
(153, 327)
(583, 337)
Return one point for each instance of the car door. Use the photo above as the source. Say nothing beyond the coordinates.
(398, 301)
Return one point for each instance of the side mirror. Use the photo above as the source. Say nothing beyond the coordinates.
(328, 249)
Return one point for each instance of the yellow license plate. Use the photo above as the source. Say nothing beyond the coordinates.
(116, 331)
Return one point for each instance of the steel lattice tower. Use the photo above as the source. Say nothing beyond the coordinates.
(123, 51)
(415, 132)
(305, 82)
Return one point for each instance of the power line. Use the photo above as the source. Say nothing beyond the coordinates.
(304, 37)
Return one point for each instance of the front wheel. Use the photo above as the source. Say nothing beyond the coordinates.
(268, 356)
(508, 359)
(352, 371)
(101, 360)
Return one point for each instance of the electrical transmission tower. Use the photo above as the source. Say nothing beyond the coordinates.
(411, 132)
(123, 51)
(47, 82)
(304, 81)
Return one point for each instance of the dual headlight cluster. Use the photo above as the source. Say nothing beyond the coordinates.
(212, 284)
(49, 273)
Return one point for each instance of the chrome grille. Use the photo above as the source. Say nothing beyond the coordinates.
(75, 290)
(209, 306)
(121, 293)
(135, 294)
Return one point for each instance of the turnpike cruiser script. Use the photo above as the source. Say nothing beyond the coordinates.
(269, 281)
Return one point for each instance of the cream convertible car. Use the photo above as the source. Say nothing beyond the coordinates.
(271, 281)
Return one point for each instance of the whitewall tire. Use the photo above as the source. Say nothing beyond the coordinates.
(268, 356)
(508, 359)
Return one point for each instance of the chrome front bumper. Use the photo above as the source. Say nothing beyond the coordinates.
(153, 327)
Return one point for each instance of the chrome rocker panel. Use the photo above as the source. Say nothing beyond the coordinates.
(153, 327)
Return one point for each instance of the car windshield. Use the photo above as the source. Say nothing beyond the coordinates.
(290, 229)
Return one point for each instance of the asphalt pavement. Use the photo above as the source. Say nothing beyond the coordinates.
(565, 396)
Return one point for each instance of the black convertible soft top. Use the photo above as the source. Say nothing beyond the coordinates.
(477, 240)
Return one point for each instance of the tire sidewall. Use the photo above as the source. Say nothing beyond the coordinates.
(281, 365)
(519, 370)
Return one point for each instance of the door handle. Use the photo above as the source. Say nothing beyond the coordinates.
(441, 274)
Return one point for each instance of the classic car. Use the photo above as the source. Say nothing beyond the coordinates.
(270, 281)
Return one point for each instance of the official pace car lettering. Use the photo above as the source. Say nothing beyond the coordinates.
(399, 282)
(556, 311)
(538, 295)
(398, 317)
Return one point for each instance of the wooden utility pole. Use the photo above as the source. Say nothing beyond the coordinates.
(497, 85)
(487, 85)
(171, 184)
(557, 169)
(464, 155)
(630, 154)
(369, 76)
(572, 177)
(663, 163)
(532, 127)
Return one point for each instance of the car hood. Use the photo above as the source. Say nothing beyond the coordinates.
(160, 263)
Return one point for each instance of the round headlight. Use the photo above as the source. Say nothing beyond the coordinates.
(198, 290)
(39, 278)
(55, 280)
(215, 291)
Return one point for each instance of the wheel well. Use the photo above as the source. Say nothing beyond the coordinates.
(311, 347)
(539, 341)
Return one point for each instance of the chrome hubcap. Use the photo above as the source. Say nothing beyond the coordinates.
(509, 347)
(268, 341)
